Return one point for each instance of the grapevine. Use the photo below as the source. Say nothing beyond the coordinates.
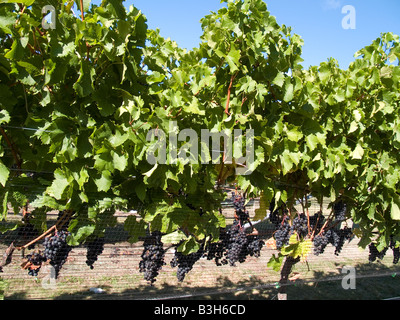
(76, 112)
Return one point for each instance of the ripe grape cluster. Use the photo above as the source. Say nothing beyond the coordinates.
(300, 225)
(282, 235)
(274, 215)
(285, 228)
(340, 210)
(342, 235)
(236, 250)
(234, 246)
(56, 249)
(335, 237)
(185, 263)
(374, 253)
(240, 210)
(321, 241)
(35, 259)
(254, 246)
(94, 249)
(152, 257)
(215, 250)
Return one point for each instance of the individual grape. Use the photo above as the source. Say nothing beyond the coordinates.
(94, 249)
(152, 257)
(33, 272)
(57, 250)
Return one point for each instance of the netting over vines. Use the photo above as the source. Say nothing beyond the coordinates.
(123, 270)
(134, 165)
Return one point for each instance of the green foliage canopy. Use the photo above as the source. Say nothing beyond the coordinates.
(77, 103)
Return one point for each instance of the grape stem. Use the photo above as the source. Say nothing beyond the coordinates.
(324, 227)
(315, 227)
(43, 235)
(60, 223)
(221, 172)
(229, 94)
(82, 14)
(308, 215)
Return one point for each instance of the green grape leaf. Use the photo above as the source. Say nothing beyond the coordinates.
(276, 262)
(4, 174)
(136, 228)
(395, 211)
(60, 183)
(174, 238)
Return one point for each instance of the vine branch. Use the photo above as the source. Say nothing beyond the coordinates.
(229, 93)
(82, 14)
(59, 224)
(14, 152)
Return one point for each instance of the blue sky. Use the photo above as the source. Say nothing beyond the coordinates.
(318, 22)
